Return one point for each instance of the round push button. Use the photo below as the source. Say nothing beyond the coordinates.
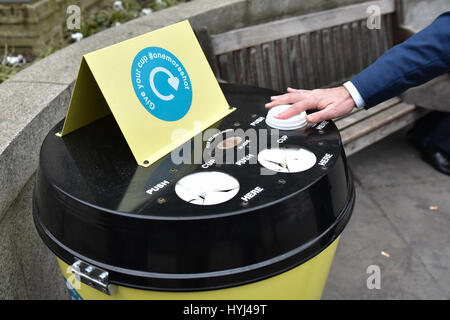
(292, 123)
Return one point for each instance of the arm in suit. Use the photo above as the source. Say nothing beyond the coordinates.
(411, 63)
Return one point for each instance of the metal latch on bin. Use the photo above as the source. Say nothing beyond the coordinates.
(93, 276)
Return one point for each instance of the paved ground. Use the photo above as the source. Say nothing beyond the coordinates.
(395, 190)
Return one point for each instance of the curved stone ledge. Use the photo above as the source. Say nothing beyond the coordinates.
(32, 109)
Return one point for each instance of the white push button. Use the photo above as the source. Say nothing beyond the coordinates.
(292, 123)
(287, 160)
(207, 188)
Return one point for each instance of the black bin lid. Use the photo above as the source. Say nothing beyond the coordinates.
(93, 202)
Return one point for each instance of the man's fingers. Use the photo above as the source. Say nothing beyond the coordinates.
(286, 98)
(283, 99)
(319, 116)
(296, 108)
(301, 91)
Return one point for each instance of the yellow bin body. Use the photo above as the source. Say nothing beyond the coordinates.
(305, 282)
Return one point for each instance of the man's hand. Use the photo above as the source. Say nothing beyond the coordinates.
(331, 103)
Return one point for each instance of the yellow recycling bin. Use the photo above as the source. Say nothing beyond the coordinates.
(264, 225)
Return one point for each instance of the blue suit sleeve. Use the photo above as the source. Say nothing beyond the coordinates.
(417, 60)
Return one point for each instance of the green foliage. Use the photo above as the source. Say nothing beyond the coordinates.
(91, 23)
(6, 71)
(108, 16)
(47, 49)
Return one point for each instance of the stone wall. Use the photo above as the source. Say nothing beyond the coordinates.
(27, 268)
(26, 27)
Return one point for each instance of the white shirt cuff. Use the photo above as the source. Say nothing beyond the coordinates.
(359, 101)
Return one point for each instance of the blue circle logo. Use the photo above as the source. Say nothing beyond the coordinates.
(161, 83)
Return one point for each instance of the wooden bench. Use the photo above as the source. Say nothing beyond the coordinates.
(321, 49)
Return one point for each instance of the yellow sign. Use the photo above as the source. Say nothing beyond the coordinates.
(156, 86)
